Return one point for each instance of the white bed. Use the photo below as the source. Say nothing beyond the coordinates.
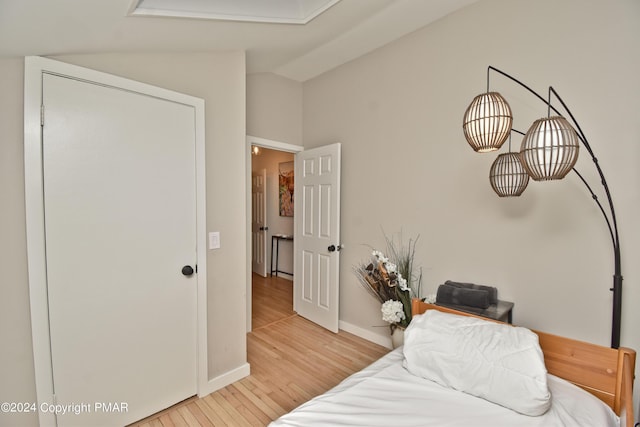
(387, 394)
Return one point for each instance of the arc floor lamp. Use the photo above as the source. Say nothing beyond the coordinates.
(549, 151)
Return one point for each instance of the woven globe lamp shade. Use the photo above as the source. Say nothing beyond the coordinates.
(487, 122)
(549, 149)
(507, 176)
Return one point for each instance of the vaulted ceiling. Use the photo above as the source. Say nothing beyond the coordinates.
(336, 31)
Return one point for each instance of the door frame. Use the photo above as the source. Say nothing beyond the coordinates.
(36, 256)
(274, 145)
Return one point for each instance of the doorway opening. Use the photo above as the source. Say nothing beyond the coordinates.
(270, 230)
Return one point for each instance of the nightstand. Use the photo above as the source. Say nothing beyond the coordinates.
(503, 311)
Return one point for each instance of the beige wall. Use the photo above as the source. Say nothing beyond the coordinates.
(406, 165)
(274, 108)
(220, 80)
(17, 380)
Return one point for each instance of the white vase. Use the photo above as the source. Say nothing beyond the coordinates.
(397, 337)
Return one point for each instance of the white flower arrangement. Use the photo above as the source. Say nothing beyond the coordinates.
(392, 311)
(391, 280)
(391, 268)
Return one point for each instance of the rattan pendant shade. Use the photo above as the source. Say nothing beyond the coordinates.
(487, 122)
(507, 176)
(549, 149)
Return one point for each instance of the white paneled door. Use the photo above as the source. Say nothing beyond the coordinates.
(259, 222)
(120, 212)
(317, 235)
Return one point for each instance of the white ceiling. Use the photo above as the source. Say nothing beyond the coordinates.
(344, 31)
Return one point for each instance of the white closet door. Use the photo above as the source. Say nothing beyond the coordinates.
(119, 197)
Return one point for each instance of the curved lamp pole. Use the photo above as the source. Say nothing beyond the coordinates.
(494, 114)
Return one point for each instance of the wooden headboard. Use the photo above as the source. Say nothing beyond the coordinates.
(605, 372)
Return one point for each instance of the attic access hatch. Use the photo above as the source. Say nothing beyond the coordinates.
(272, 11)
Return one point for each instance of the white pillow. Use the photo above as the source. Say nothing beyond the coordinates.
(497, 362)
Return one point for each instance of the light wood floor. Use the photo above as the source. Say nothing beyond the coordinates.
(291, 358)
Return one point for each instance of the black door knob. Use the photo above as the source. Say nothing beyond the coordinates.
(187, 270)
(332, 248)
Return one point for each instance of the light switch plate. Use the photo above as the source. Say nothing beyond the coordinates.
(214, 240)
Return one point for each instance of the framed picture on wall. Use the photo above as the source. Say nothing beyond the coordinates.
(285, 188)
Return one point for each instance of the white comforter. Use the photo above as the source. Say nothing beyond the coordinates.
(385, 394)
